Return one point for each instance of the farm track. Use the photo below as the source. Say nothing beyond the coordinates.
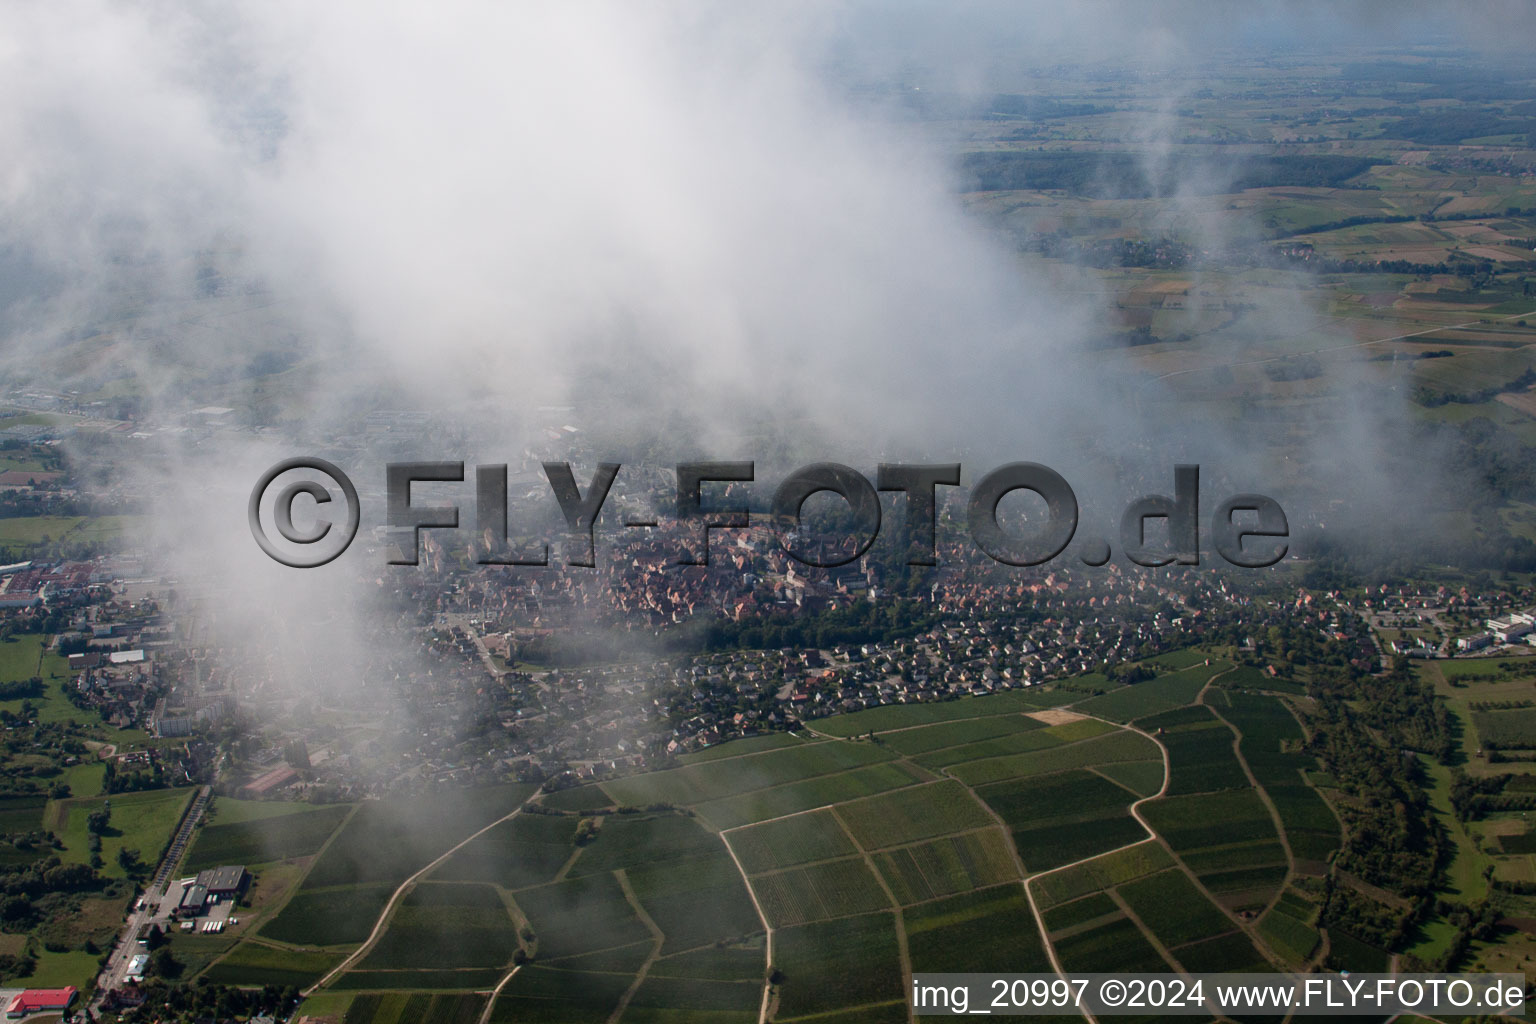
(762, 1013)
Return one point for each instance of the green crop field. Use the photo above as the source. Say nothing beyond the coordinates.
(1154, 695)
(790, 841)
(528, 850)
(902, 716)
(413, 1008)
(387, 841)
(1144, 778)
(1293, 939)
(736, 748)
(1201, 751)
(987, 930)
(998, 746)
(1116, 945)
(742, 962)
(1514, 729)
(1104, 872)
(1169, 904)
(445, 926)
(662, 999)
(1222, 954)
(22, 813)
(954, 734)
(700, 783)
(251, 963)
(329, 917)
(696, 902)
(627, 841)
(1210, 819)
(580, 915)
(1118, 746)
(829, 965)
(831, 889)
(908, 815)
(1252, 853)
(298, 833)
(764, 804)
(577, 798)
(947, 865)
(544, 995)
(1064, 798)
(1079, 912)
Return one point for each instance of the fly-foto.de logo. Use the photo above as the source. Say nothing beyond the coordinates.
(1246, 530)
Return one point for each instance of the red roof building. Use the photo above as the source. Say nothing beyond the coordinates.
(41, 1000)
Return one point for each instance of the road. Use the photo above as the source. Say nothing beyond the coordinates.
(115, 973)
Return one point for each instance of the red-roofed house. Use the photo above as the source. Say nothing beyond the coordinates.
(41, 1000)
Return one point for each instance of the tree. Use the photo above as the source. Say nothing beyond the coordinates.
(164, 963)
(97, 821)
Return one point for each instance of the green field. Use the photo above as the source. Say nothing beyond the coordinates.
(1154, 695)
(987, 930)
(1101, 873)
(139, 821)
(947, 865)
(387, 841)
(904, 716)
(954, 734)
(298, 833)
(1118, 746)
(1169, 904)
(329, 917)
(250, 963)
(714, 780)
(445, 926)
(830, 965)
(790, 841)
(907, 815)
(763, 804)
(528, 850)
(830, 889)
(1513, 729)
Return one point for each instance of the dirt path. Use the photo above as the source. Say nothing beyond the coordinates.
(762, 1013)
(657, 938)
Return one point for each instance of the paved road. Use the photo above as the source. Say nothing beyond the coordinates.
(115, 973)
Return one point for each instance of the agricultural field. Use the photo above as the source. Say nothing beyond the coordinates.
(986, 930)
(1512, 729)
(1060, 818)
(1117, 746)
(835, 965)
(1228, 840)
(947, 865)
(1202, 754)
(297, 832)
(1174, 909)
(908, 815)
(387, 841)
(914, 837)
(252, 963)
(446, 926)
(787, 842)
(1164, 693)
(821, 791)
(837, 888)
(526, 851)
